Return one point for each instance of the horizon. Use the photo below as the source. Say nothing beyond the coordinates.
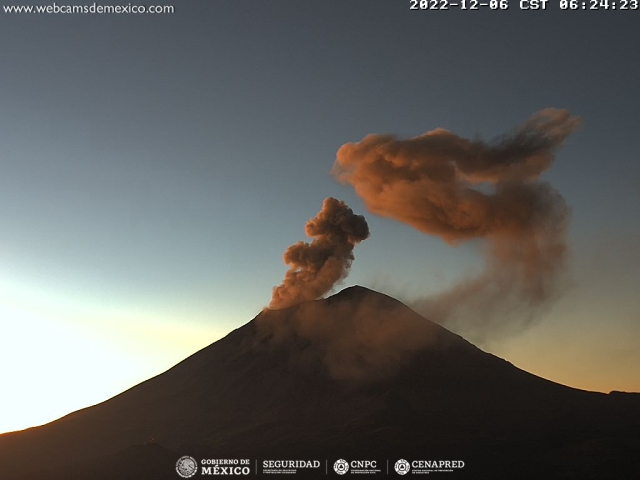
(334, 292)
(157, 167)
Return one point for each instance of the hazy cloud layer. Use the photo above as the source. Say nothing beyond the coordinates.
(315, 267)
(459, 189)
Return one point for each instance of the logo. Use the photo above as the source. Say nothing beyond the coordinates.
(428, 466)
(282, 467)
(187, 466)
(402, 467)
(341, 467)
(225, 466)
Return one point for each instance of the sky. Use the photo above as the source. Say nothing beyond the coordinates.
(154, 168)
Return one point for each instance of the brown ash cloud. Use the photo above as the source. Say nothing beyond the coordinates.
(460, 189)
(315, 267)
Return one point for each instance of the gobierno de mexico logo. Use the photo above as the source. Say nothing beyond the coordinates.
(186, 466)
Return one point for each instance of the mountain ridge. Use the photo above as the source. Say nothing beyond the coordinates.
(360, 371)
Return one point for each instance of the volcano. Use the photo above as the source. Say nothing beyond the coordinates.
(355, 375)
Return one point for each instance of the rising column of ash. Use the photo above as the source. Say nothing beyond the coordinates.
(315, 267)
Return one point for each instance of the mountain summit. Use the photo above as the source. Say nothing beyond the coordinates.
(356, 374)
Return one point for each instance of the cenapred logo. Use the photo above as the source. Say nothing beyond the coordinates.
(186, 466)
(402, 466)
(341, 466)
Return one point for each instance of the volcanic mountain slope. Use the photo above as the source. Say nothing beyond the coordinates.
(356, 374)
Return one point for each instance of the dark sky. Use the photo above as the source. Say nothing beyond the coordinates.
(156, 167)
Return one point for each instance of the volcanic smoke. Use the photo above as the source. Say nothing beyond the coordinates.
(460, 189)
(315, 267)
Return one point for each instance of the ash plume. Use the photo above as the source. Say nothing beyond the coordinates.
(315, 267)
(361, 336)
(460, 189)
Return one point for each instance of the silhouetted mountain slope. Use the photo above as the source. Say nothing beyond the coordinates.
(356, 374)
(150, 461)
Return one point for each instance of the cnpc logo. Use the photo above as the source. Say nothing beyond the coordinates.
(357, 466)
(341, 466)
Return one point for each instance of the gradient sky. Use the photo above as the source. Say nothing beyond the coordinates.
(155, 168)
